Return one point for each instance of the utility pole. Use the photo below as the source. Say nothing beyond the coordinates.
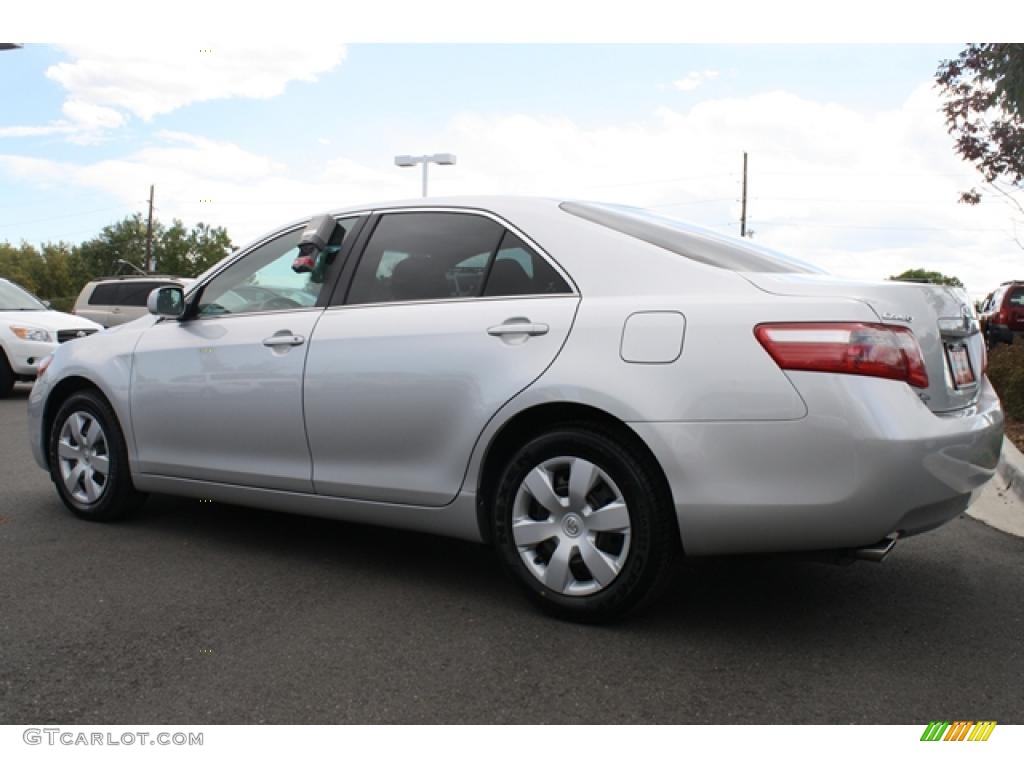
(743, 214)
(150, 267)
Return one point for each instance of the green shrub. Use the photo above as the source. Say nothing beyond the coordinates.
(1006, 372)
(63, 303)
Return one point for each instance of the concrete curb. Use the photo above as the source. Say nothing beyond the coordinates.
(1001, 501)
(1011, 469)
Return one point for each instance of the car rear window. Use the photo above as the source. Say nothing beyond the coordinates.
(694, 243)
(1017, 297)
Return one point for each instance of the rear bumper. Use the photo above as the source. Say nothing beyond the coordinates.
(867, 461)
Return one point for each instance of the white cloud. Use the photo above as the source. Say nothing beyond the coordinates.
(106, 84)
(862, 193)
(22, 131)
(89, 115)
(694, 79)
(148, 81)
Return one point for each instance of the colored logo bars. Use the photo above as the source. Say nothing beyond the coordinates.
(959, 730)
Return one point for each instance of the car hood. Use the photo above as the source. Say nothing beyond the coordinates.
(48, 320)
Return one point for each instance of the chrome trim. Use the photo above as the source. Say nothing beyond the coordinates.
(876, 552)
(197, 318)
(454, 300)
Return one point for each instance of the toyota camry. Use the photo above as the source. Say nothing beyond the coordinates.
(594, 390)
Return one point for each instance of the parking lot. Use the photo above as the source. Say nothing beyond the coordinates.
(194, 612)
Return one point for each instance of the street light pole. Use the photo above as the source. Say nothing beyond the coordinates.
(410, 161)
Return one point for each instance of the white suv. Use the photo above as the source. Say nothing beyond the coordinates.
(29, 331)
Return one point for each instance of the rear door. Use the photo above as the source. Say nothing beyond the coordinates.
(100, 303)
(448, 316)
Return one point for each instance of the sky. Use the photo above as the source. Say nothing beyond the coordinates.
(850, 165)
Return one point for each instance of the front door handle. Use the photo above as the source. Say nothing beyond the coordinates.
(284, 339)
(518, 325)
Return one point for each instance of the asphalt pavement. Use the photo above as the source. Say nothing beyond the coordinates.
(195, 613)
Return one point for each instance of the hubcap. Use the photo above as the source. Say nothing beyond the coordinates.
(84, 457)
(571, 526)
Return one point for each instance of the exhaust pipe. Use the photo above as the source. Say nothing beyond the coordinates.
(877, 552)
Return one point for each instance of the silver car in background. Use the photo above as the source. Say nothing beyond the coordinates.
(593, 389)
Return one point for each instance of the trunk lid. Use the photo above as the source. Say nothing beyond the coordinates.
(942, 318)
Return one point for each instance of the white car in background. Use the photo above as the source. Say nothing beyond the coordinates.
(29, 331)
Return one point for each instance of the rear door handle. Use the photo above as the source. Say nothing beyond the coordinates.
(515, 327)
(284, 339)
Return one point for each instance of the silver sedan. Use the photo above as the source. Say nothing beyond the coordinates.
(592, 389)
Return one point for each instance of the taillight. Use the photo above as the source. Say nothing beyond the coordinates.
(1003, 316)
(862, 349)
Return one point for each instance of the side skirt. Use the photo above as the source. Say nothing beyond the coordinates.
(457, 520)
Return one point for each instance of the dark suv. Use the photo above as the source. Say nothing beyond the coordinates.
(1002, 314)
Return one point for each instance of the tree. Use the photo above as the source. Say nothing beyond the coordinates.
(123, 241)
(188, 253)
(928, 276)
(58, 271)
(983, 93)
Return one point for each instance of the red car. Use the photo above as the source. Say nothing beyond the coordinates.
(1002, 314)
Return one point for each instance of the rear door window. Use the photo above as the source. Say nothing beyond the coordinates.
(424, 256)
(518, 270)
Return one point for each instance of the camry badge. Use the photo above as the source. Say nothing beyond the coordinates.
(901, 318)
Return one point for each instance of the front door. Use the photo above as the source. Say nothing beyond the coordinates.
(219, 397)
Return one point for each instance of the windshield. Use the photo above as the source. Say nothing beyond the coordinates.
(13, 298)
(695, 243)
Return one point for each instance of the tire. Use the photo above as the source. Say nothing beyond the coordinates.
(592, 556)
(6, 376)
(89, 460)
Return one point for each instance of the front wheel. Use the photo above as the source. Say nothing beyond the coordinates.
(6, 376)
(584, 524)
(89, 459)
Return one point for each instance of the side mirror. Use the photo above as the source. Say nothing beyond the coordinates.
(48, 305)
(167, 301)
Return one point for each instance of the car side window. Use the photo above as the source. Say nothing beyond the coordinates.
(104, 294)
(518, 270)
(420, 256)
(135, 294)
(264, 281)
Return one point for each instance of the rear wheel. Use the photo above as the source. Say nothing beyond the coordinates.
(584, 525)
(89, 459)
